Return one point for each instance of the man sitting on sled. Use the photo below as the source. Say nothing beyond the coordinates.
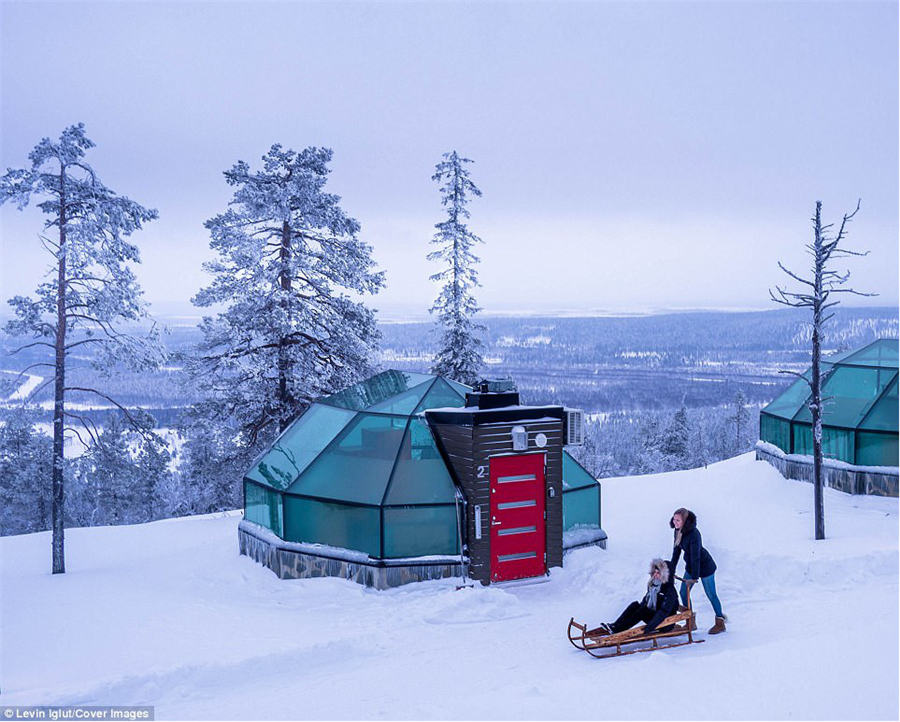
(660, 601)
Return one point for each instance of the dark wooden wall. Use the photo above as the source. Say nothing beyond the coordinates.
(469, 447)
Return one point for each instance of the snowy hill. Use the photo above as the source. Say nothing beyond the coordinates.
(168, 614)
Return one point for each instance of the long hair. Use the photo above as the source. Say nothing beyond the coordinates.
(684, 514)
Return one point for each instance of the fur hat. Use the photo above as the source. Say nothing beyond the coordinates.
(663, 566)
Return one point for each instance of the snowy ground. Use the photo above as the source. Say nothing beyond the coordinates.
(169, 614)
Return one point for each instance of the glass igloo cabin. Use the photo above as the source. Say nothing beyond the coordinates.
(859, 422)
(357, 488)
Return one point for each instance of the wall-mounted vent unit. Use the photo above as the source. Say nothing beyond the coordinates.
(519, 438)
(574, 427)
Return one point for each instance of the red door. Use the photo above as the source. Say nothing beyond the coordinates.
(517, 517)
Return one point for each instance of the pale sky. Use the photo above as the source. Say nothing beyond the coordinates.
(632, 156)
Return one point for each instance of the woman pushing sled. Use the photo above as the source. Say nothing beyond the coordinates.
(698, 563)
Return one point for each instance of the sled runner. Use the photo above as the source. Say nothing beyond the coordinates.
(579, 634)
(598, 643)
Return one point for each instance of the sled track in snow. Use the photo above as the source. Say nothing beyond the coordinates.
(184, 682)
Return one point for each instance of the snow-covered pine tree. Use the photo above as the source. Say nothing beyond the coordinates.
(698, 449)
(651, 459)
(741, 421)
(211, 465)
(289, 332)
(117, 480)
(676, 440)
(588, 454)
(26, 458)
(90, 290)
(824, 248)
(459, 353)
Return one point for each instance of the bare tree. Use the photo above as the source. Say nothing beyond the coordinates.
(824, 248)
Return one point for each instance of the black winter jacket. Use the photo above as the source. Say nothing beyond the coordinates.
(697, 561)
(666, 601)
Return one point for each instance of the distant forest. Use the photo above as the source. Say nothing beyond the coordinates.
(660, 393)
(649, 362)
(601, 365)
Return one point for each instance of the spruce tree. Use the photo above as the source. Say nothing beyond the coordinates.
(677, 438)
(90, 288)
(287, 258)
(459, 353)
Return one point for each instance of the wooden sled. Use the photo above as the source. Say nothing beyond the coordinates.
(579, 634)
(599, 644)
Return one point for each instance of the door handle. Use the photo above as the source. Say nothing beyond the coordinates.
(495, 523)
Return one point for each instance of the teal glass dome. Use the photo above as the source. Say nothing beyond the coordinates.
(360, 470)
(860, 418)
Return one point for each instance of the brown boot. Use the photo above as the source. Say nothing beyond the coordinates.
(718, 627)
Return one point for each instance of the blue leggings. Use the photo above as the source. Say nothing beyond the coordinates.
(709, 586)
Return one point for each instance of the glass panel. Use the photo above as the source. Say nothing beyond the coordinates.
(775, 431)
(420, 475)
(357, 466)
(404, 403)
(299, 445)
(837, 444)
(884, 352)
(376, 389)
(788, 403)
(581, 506)
(839, 356)
(802, 436)
(883, 415)
(416, 532)
(456, 386)
(263, 507)
(337, 525)
(874, 449)
(852, 390)
(575, 476)
(442, 395)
